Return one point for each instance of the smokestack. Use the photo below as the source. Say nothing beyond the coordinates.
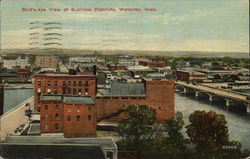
(94, 70)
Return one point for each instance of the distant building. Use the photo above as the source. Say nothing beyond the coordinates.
(52, 147)
(24, 72)
(21, 63)
(46, 61)
(153, 63)
(126, 60)
(190, 76)
(116, 66)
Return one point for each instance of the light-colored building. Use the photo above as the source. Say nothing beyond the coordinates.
(46, 61)
(20, 62)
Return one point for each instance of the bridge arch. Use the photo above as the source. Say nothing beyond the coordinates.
(180, 87)
(203, 95)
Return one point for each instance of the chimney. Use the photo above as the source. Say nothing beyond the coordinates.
(72, 71)
(94, 70)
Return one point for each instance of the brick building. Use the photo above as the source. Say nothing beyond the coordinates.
(60, 83)
(74, 115)
(190, 76)
(69, 103)
(157, 94)
(153, 63)
(116, 66)
(66, 104)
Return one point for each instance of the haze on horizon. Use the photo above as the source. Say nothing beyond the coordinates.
(177, 25)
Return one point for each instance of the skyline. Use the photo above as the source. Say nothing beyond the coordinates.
(195, 25)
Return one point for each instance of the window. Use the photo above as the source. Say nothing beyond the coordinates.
(56, 83)
(46, 126)
(38, 109)
(78, 118)
(79, 83)
(55, 91)
(64, 83)
(39, 96)
(69, 118)
(110, 155)
(39, 83)
(69, 83)
(79, 91)
(89, 109)
(69, 109)
(46, 116)
(57, 107)
(69, 91)
(56, 116)
(74, 83)
(56, 126)
(86, 90)
(46, 107)
(78, 109)
(86, 83)
(159, 108)
(89, 117)
(74, 91)
(64, 90)
(49, 83)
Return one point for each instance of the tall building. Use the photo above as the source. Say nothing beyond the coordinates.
(66, 104)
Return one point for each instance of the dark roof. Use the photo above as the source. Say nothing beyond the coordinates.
(78, 99)
(51, 97)
(103, 142)
(127, 89)
(37, 151)
(68, 98)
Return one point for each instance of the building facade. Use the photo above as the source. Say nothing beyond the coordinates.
(53, 83)
(72, 115)
(46, 61)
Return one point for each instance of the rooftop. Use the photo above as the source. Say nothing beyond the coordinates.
(68, 98)
(125, 89)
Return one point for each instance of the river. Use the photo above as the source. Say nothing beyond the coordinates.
(238, 124)
(13, 97)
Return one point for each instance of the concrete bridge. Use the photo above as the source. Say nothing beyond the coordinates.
(229, 98)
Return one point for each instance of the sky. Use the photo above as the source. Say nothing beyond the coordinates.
(176, 25)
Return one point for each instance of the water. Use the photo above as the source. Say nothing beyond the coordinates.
(13, 97)
(238, 124)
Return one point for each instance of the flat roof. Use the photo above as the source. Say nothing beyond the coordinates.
(63, 75)
(68, 98)
(103, 142)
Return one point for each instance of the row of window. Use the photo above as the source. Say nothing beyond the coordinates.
(46, 126)
(78, 117)
(120, 97)
(69, 83)
(69, 91)
(78, 109)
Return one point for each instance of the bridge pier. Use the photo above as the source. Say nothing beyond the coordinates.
(185, 90)
(227, 103)
(248, 108)
(210, 98)
(196, 93)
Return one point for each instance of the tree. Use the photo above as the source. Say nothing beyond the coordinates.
(175, 145)
(138, 127)
(28, 113)
(209, 133)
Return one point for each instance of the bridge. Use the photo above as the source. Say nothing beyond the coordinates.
(230, 98)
